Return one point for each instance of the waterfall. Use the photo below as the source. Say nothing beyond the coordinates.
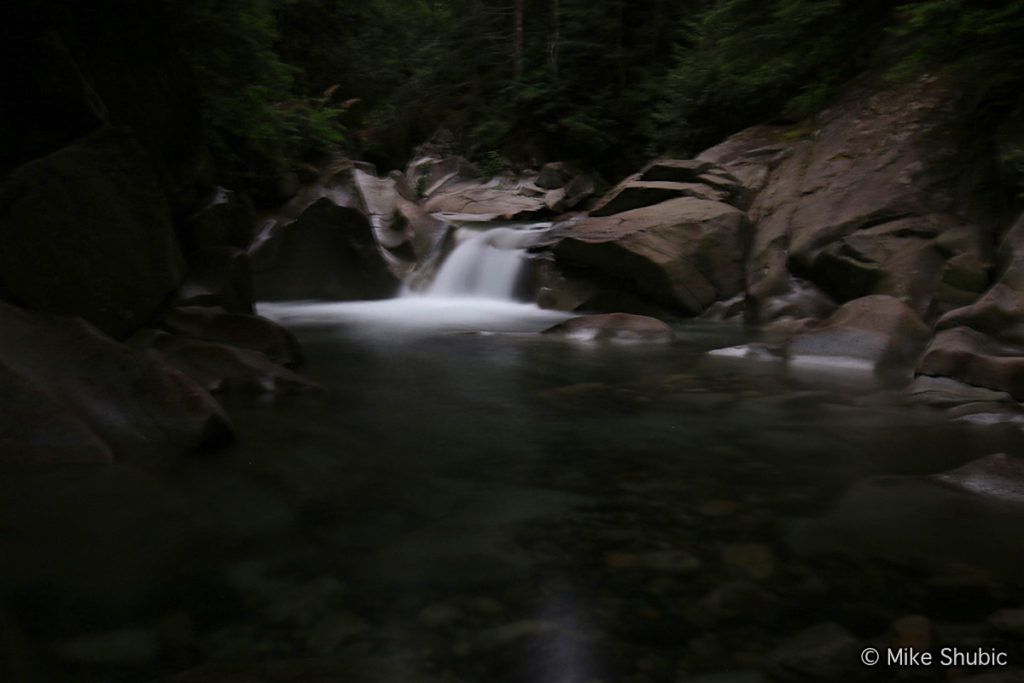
(487, 265)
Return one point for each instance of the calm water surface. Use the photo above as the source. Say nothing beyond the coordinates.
(461, 506)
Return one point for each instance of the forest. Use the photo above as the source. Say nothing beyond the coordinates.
(606, 83)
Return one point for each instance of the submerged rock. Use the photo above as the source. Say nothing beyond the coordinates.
(614, 327)
(967, 516)
(826, 652)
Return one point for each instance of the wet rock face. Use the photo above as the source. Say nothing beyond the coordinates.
(79, 396)
(87, 231)
(865, 203)
(983, 343)
(614, 327)
(683, 254)
(328, 252)
(880, 332)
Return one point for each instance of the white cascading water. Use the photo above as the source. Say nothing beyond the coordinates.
(486, 265)
(474, 290)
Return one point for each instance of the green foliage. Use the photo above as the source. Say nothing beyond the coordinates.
(747, 60)
(604, 82)
(493, 163)
(252, 113)
(981, 37)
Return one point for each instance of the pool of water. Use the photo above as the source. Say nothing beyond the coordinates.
(470, 501)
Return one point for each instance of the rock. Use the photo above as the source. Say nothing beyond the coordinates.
(683, 254)
(328, 252)
(439, 615)
(36, 427)
(379, 197)
(726, 677)
(614, 327)
(758, 352)
(968, 516)
(752, 154)
(429, 174)
(943, 392)
(912, 631)
(555, 200)
(1001, 676)
(112, 648)
(974, 358)
(634, 194)
(218, 277)
(225, 220)
(506, 634)
(676, 170)
(485, 202)
(245, 331)
(755, 560)
(327, 635)
(87, 231)
(983, 343)
(825, 652)
(996, 477)
(223, 368)
(719, 508)
(907, 259)
(1008, 622)
(878, 333)
(73, 380)
(555, 175)
(864, 200)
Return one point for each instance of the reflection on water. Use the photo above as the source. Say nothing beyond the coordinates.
(504, 507)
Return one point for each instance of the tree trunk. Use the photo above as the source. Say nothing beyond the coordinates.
(556, 37)
(517, 45)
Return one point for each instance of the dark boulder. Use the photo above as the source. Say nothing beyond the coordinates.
(222, 368)
(328, 252)
(67, 375)
(219, 277)
(87, 231)
(244, 331)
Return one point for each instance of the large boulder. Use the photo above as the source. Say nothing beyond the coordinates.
(683, 254)
(219, 367)
(244, 331)
(429, 173)
(497, 199)
(969, 516)
(76, 395)
(87, 231)
(934, 263)
(219, 277)
(974, 357)
(864, 201)
(879, 332)
(613, 327)
(983, 343)
(328, 252)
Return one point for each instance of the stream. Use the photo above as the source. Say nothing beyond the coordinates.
(470, 501)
